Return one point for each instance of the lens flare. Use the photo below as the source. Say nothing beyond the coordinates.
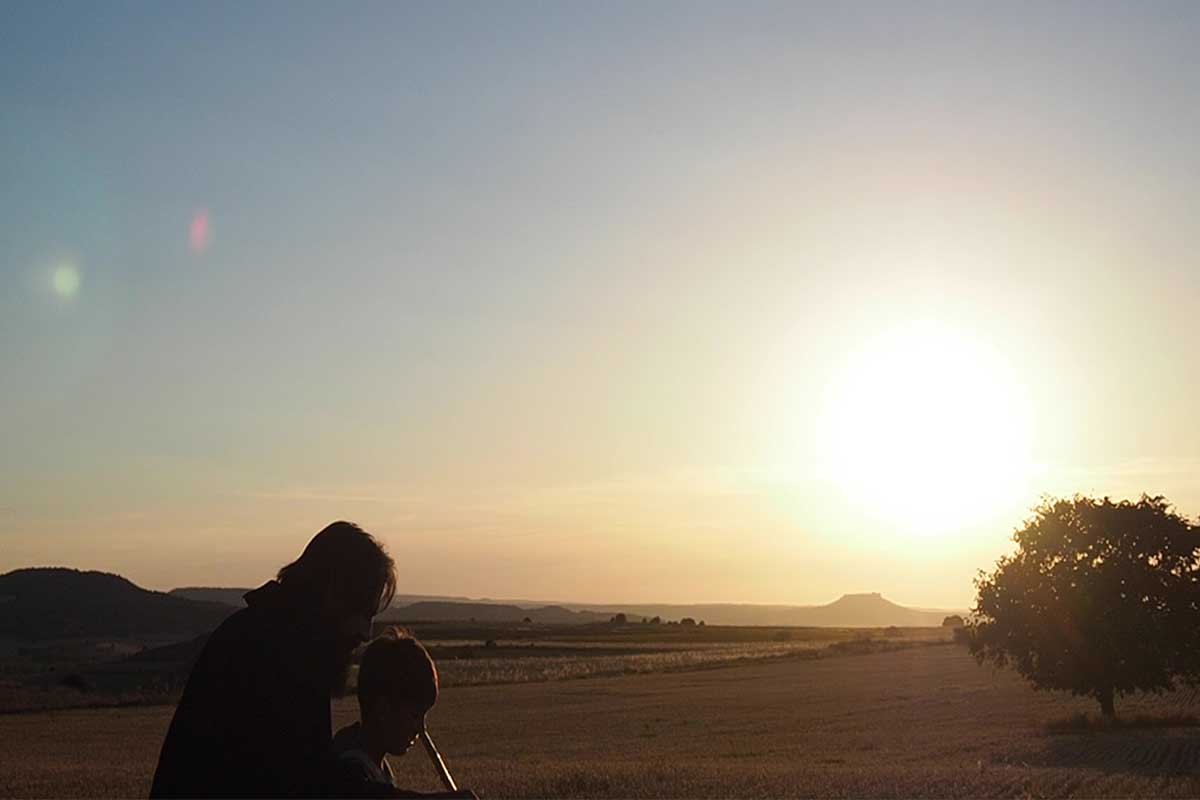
(198, 232)
(66, 279)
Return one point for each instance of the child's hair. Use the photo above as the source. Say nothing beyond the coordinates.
(397, 666)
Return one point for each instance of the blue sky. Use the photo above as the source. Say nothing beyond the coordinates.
(538, 285)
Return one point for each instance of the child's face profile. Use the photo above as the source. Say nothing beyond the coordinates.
(400, 722)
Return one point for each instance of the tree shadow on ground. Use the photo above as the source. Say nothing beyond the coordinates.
(1087, 723)
(1143, 746)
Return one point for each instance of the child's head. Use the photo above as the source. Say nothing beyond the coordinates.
(397, 685)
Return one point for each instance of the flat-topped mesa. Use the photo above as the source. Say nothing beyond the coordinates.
(864, 599)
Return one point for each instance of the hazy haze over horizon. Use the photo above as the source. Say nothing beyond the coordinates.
(679, 302)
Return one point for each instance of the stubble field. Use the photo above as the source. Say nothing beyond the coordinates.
(925, 721)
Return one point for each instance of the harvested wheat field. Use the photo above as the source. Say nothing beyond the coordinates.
(926, 721)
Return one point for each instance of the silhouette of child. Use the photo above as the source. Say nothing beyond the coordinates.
(397, 685)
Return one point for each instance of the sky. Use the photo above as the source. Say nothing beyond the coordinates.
(673, 302)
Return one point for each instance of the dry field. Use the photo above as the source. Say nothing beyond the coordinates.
(925, 721)
(519, 662)
(536, 668)
(488, 657)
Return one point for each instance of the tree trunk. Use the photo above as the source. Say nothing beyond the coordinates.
(1105, 696)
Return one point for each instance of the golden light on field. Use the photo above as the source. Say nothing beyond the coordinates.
(927, 429)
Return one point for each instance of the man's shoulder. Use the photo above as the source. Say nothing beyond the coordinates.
(245, 642)
(239, 627)
(256, 624)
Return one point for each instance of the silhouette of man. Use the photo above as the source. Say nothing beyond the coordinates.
(254, 718)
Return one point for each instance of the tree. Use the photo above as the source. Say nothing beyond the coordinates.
(953, 621)
(687, 621)
(619, 619)
(1100, 599)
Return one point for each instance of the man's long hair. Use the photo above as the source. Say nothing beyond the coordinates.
(345, 558)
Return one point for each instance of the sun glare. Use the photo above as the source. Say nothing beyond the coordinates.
(66, 280)
(62, 275)
(927, 430)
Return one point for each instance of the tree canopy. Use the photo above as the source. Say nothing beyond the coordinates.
(1100, 599)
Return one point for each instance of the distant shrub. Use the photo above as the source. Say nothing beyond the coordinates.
(853, 647)
(953, 621)
(891, 630)
(687, 621)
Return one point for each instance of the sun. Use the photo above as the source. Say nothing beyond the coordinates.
(928, 430)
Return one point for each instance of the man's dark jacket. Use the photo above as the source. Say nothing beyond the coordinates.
(254, 718)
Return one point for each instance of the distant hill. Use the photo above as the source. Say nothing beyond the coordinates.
(870, 610)
(865, 610)
(212, 594)
(441, 611)
(43, 603)
(233, 596)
